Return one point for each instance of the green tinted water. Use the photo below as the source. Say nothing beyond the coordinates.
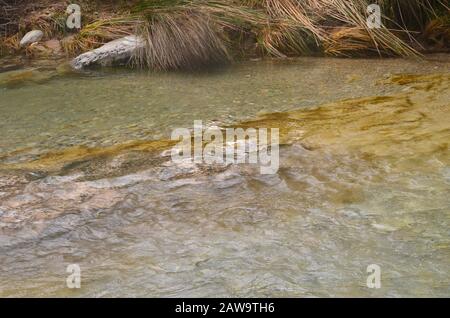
(361, 182)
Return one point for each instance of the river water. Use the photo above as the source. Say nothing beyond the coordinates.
(364, 178)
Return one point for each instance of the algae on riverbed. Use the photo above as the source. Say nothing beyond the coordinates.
(410, 123)
(413, 122)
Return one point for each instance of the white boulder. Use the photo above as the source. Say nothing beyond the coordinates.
(112, 53)
(31, 37)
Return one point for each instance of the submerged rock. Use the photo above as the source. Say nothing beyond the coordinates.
(31, 37)
(50, 48)
(10, 64)
(54, 45)
(112, 53)
(25, 76)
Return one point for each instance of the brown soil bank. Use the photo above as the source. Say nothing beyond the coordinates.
(222, 30)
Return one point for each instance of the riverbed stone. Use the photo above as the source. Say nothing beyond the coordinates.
(50, 48)
(54, 45)
(25, 76)
(116, 52)
(31, 37)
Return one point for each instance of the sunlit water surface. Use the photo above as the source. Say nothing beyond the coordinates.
(364, 179)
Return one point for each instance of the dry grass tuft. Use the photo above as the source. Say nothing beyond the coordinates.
(181, 41)
(9, 45)
(437, 33)
(97, 33)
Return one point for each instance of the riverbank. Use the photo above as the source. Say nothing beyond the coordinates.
(194, 34)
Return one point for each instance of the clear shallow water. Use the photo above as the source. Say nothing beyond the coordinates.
(43, 109)
(365, 181)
